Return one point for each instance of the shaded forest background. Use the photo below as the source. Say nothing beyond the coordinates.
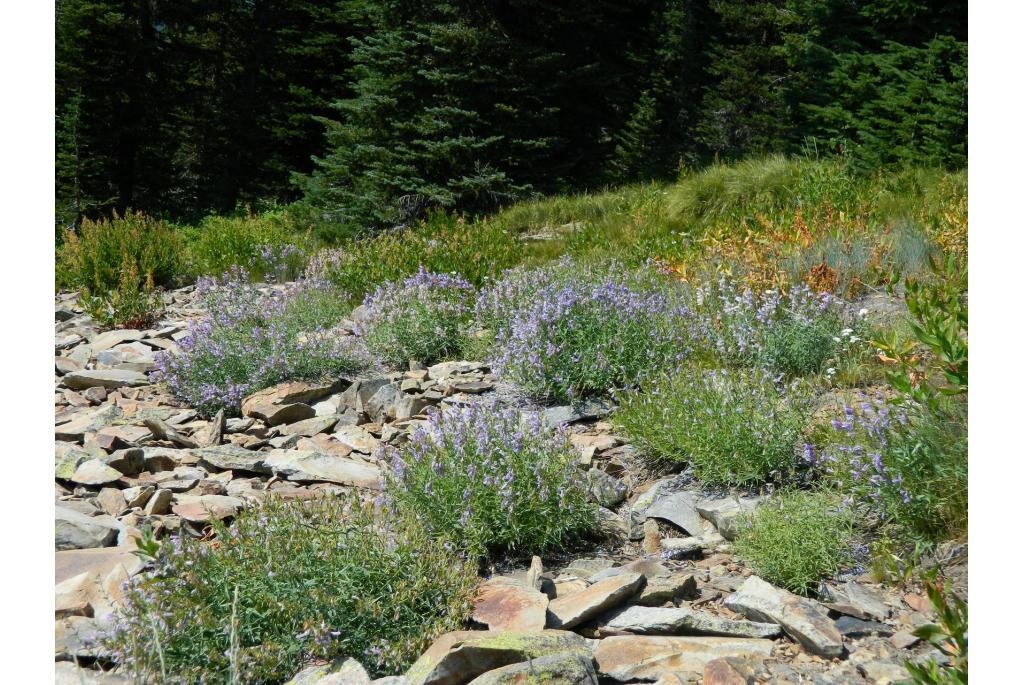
(364, 114)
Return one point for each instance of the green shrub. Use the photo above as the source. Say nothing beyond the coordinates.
(442, 244)
(949, 636)
(797, 347)
(422, 318)
(797, 539)
(94, 257)
(734, 427)
(286, 583)
(266, 245)
(249, 341)
(490, 481)
(130, 305)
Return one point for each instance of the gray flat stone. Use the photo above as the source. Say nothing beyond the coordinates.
(111, 379)
(679, 509)
(685, 621)
(803, 619)
(566, 612)
(233, 458)
(74, 530)
(310, 466)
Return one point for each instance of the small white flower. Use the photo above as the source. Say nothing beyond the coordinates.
(863, 312)
(846, 331)
(836, 338)
(830, 371)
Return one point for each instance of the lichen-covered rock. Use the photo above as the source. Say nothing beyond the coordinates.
(459, 657)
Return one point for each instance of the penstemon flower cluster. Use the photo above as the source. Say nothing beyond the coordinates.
(278, 262)
(248, 341)
(860, 459)
(741, 327)
(577, 336)
(490, 479)
(421, 318)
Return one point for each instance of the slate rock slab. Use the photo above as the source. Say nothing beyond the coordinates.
(504, 604)
(566, 612)
(75, 530)
(627, 658)
(557, 669)
(685, 621)
(459, 657)
(111, 379)
(803, 619)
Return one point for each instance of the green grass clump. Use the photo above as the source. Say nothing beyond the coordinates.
(797, 347)
(95, 257)
(796, 539)
(491, 482)
(733, 426)
(290, 582)
(266, 245)
(442, 244)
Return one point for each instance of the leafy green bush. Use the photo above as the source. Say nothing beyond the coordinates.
(734, 427)
(422, 318)
(489, 481)
(949, 636)
(796, 539)
(266, 245)
(95, 257)
(249, 341)
(797, 347)
(131, 305)
(286, 583)
(442, 244)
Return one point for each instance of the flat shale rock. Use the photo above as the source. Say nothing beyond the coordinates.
(680, 510)
(504, 604)
(205, 508)
(566, 612)
(557, 669)
(459, 657)
(233, 458)
(804, 620)
(309, 427)
(686, 621)
(341, 672)
(640, 657)
(67, 673)
(309, 466)
(74, 530)
(111, 379)
(667, 588)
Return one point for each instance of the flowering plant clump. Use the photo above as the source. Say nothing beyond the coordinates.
(249, 341)
(421, 318)
(287, 583)
(794, 333)
(490, 480)
(278, 262)
(738, 427)
(908, 463)
(578, 337)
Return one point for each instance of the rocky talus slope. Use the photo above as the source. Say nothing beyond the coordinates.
(662, 600)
